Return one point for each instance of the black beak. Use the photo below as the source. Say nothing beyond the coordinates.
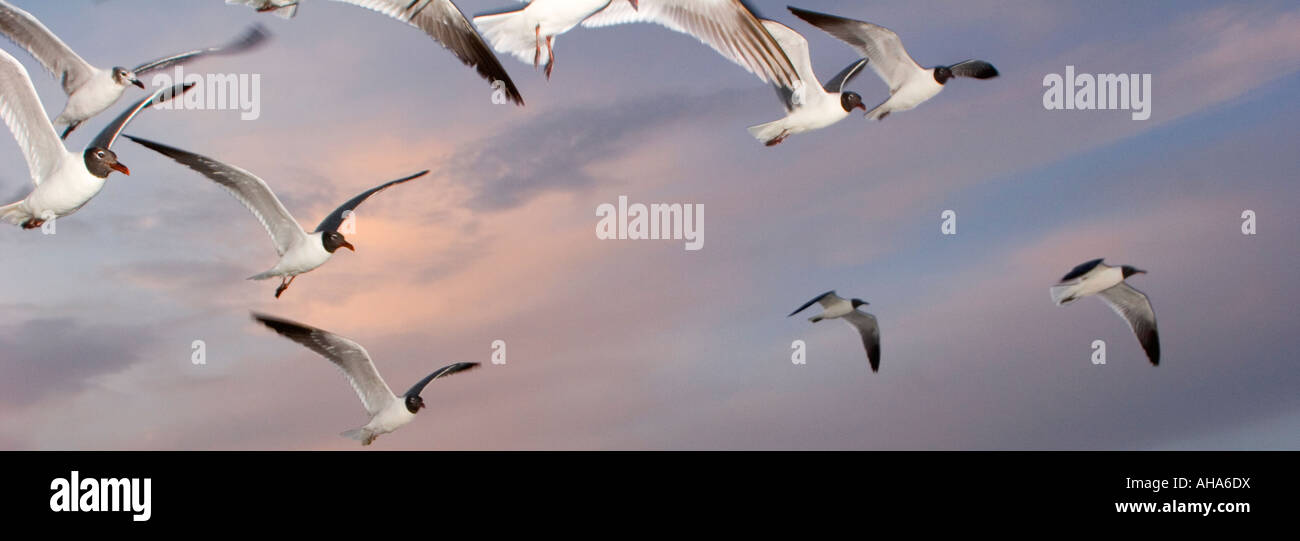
(137, 82)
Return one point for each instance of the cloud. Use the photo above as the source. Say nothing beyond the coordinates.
(42, 357)
(554, 150)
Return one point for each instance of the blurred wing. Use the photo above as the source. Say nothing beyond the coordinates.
(25, 116)
(729, 26)
(975, 69)
(878, 44)
(335, 219)
(820, 298)
(256, 35)
(59, 59)
(349, 356)
(866, 325)
(1136, 309)
(448, 370)
(247, 188)
(445, 23)
(109, 134)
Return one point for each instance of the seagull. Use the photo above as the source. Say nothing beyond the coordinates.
(440, 19)
(808, 106)
(388, 412)
(299, 250)
(1097, 278)
(65, 181)
(834, 306)
(728, 26)
(909, 84)
(91, 90)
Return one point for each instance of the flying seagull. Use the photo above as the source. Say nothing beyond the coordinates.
(65, 181)
(91, 90)
(388, 412)
(834, 306)
(809, 106)
(729, 26)
(1097, 278)
(440, 19)
(299, 250)
(909, 84)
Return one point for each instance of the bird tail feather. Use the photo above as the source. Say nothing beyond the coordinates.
(264, 276)
(360, 434)
(14, 213)
(1064, 294)
(769, 131)
(512, 33)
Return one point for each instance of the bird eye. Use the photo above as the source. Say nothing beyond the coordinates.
(99, 154)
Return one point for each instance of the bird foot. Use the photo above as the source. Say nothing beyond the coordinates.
(778, 139)
(33, 223)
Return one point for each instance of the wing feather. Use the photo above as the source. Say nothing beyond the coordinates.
(728, 26)
(59, 59)
(253, 192)
(346, 354)
(1135, 308)
(23, 113)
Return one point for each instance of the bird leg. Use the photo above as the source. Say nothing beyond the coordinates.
(33, 223)
(273, 7)
(284, 284)
(777, 140)
(550, 57)
(71, 126)
(537, 40)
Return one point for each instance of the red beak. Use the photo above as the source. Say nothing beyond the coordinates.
(121, 168)
(348, 245)
(634, 5)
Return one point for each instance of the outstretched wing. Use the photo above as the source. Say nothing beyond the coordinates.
(728, 26)
(335, 219)
(59, 59)
(448, 370)
(879, 44)
(246, 187)
(109, 134)
(349, 356)
(841, 79)
(975, 69)
(23, 113)
(253, 37)
(445, 23)
(827, 297)
(870, 331)
(1136, 309)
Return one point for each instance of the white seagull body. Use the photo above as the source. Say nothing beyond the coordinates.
(728, 26)
(809, 105)
(438, 19)
(1107, 282)
(92, 90)
(909, 84)
(387, 411)
(299, 250)
(836, 307)
(64, 181)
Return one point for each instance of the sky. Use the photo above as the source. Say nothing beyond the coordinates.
(641, 344)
